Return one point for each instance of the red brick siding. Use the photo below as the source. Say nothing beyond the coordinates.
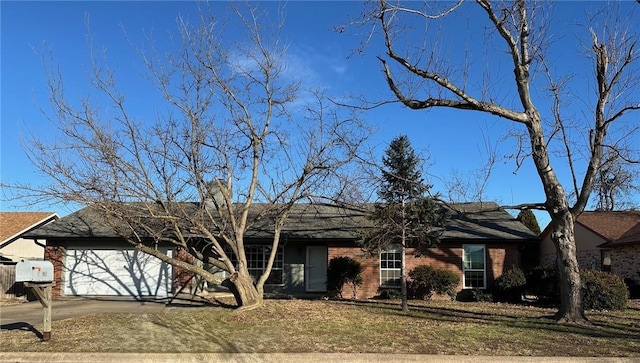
(499, 258)
(181, 276)
(54, 253)
(370, 274)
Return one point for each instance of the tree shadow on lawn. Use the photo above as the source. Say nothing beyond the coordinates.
(23, 327)
(597, 329)
(225, 345)
(612, 316)
(177, 301)
(223, 304)
(612, 321)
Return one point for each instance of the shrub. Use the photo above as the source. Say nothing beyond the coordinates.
(603, 291)
(419, 286)
(482, 295)
(544, 284)
(600, 290)
(425, 280)
(511, 285)
(343, 270)
(389, 293)
(446, 282)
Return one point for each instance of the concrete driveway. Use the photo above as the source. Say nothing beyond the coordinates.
(31, 313)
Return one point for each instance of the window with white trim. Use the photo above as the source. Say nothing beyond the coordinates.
(474, 272)
(257, 258)
(390, 264)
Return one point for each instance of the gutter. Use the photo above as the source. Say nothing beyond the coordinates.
(39, 244)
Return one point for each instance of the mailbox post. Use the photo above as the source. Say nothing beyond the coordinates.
(38, 275)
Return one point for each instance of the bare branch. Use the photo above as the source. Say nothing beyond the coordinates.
(235, 143)
(520, 29)
(440, 14)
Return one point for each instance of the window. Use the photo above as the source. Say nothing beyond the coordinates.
(257, 258)
(390, 263)
(474, 266)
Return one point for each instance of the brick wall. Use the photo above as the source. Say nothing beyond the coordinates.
(54, 253)
(370, 274)
(590, 259)
(587, 259)
(500, 257)
(181, 277)
(625, 262)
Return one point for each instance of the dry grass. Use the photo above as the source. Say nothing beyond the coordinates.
(344, 326)
(8, 301)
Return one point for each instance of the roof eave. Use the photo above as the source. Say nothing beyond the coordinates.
(18, 235)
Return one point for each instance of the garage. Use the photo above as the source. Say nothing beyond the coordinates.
(116, 272)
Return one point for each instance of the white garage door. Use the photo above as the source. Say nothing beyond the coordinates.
(122, 272)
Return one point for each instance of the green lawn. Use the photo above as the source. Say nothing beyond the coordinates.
(434, 327)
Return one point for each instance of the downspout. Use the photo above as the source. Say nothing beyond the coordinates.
(39, 244)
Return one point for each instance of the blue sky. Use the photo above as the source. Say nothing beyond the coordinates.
(455, 140)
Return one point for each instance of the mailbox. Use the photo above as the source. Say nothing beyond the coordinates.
(34, 271)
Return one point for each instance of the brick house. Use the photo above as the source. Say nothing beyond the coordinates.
(605, 240)
(480, 242)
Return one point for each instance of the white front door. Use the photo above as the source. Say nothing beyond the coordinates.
(316, 267)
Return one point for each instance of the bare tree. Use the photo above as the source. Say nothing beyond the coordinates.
(236, 142)
(472, 185)
(441, 74)
(616, 183)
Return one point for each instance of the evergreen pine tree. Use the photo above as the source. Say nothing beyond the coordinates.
(405, 215)
(527, 218)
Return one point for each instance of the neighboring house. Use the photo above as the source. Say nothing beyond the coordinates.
(13, 247)
(605, 240)
(481, 241)
(13, 225)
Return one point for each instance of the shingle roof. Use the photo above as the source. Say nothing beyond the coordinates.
(469, 221)
(630, 236)
(617, 227)
(485, 220)
(14, 224)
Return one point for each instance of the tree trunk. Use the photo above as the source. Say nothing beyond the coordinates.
(563, 237)
(247, 296)
(403, 280)
(563, 226)
(403, 263)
